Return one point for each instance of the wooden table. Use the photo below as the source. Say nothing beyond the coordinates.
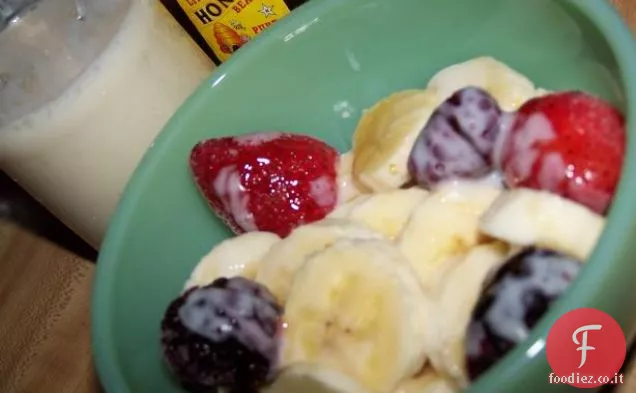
(45, 293)
(44, 300)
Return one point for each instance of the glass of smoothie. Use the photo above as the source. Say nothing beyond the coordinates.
(85, 86)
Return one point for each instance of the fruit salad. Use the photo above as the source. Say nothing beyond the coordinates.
(412, 263)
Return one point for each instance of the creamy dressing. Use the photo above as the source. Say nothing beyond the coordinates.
(321, 191)
(551, 275)
(227, 185)
(256, 138)
(347, 188)
(535, 130)
(494, 179)
(220, 314)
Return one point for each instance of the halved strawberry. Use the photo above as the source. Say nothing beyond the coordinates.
(268, 181)
(569, 143)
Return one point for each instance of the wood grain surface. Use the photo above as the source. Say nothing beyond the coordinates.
(45, 293)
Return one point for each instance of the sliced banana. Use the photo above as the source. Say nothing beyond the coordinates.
(526, 217)
(236, 256)
(427, 382)
(357, 307)
(444, 226)
(385, 135)
(313, 378)
(387, 212)
(345, 209)
(278, 267)
(348, 188)
(509, 87)
(457, 296)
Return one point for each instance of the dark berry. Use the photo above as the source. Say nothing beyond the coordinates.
(511, 303)
(223, 335)
(458, 139)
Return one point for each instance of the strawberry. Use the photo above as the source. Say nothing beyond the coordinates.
(568, 143)
(270, 181)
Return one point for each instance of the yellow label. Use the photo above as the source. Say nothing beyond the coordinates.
(227, 25)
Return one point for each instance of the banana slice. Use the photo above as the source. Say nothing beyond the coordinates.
(386, 212)
(348, 188)
(427, 382)
(444, 226)
(278, 267)
(525, 217)
(385, 135)
(313, 378)
(236, 256)
(510, 88)
(345, 209)
(458, 294)
(357, 307)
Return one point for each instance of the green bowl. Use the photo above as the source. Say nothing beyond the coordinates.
(314, 72)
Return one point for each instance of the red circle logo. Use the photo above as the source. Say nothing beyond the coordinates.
(585, 348)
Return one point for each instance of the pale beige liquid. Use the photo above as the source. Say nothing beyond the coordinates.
(76, 154)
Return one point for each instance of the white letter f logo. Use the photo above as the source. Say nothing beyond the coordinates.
(584, 347)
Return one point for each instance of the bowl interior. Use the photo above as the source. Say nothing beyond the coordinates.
(314, 73)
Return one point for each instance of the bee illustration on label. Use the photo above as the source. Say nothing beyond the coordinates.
(229, 40)
(236, 25)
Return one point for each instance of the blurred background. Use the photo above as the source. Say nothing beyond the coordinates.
(20, 208)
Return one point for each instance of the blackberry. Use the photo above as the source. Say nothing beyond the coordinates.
(458, 140)
(223, 335)
(511, 303)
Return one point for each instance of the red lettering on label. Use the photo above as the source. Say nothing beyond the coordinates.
(258, 28)
(241, 5)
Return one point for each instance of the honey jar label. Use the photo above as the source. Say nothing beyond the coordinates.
(226, 25)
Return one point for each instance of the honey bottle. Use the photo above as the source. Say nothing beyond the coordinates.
(221, 27)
